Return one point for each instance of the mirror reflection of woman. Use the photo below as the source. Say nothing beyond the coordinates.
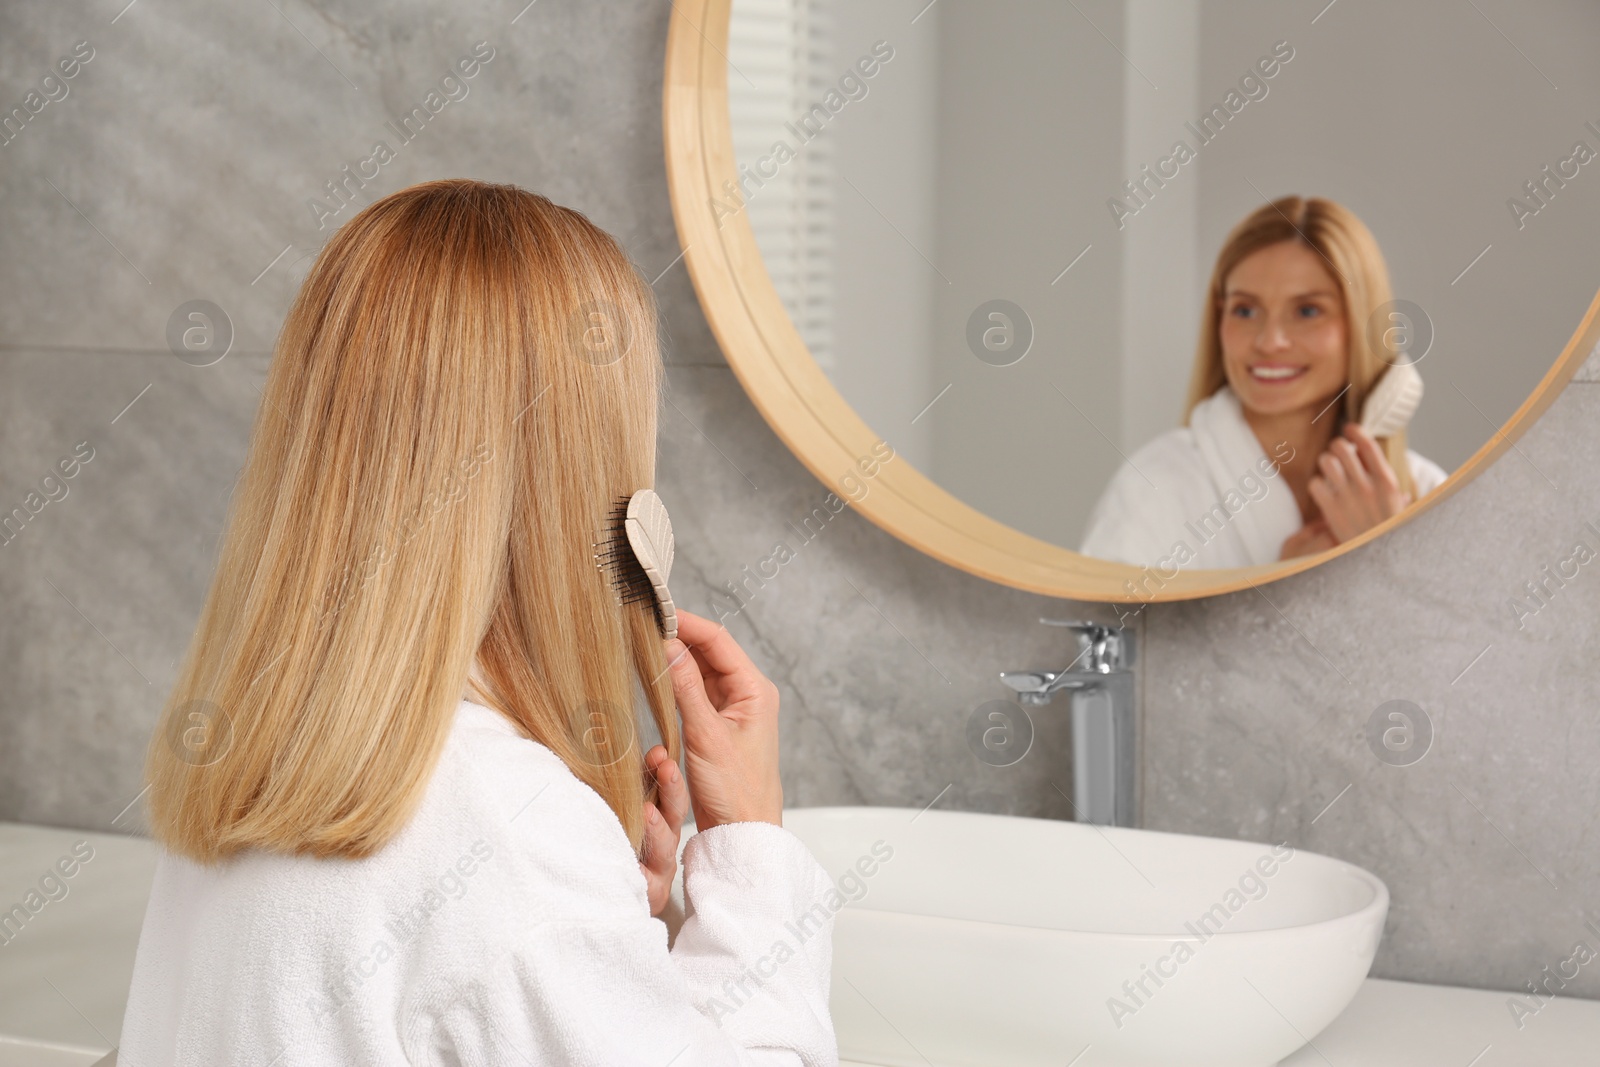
(1272, 462)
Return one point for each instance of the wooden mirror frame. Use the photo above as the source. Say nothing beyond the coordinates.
(810, 416)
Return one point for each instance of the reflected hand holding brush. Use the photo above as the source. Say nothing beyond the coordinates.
(1355, 488)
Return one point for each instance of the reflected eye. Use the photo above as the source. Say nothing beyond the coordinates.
(1242, 311)
(1309, 311)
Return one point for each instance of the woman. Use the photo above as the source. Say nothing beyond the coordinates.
(404, 808)
(1271, 462)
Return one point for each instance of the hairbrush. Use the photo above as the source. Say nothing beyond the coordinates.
(636, 550)
(1393, 401)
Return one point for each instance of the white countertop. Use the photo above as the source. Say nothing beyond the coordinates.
(64, 980)
(64, 976)
(1407, 1024)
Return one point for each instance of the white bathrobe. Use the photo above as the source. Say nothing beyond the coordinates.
(1205, 495)
(508, 924)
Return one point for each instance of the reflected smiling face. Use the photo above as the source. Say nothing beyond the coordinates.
(1285, 345)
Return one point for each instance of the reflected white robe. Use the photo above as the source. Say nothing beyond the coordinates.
(1205, 495)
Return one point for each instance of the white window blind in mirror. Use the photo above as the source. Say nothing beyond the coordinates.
(777, 59)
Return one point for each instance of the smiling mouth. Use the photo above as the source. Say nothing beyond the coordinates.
(1274, 374)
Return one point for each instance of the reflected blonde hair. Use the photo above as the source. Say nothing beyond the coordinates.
(1356, 262)
(466, 382)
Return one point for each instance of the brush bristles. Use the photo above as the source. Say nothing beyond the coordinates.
(615, 556)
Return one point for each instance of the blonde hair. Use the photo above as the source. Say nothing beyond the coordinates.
(1352, 254)
(466, 382)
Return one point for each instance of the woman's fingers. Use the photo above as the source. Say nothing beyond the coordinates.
(1332, 468)
(1372, 457)
(663, 824)
(1294, 544)
(689, 688)
(1355, 488)
(1384, 480)
(1329, 488)
(1363, 496)
(730, 727)
(714, 646)
(1311, 538)
(661, 847)
(727, 676)
(672, 793)
(1339, 504)
(660, 862)
(1355, 471)
(1322, 495)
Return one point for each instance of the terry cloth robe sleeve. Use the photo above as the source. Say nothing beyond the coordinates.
(506, 924)
(745, 984)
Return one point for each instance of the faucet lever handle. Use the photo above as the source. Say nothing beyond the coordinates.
(1103, 647)
(1094, 629)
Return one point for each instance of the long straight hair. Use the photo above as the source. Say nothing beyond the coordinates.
(466, 383)
(1349, 249)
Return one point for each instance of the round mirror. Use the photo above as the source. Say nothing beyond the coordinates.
(1140, 299)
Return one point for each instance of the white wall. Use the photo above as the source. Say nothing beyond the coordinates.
(1374, 111)
(1030, 137)
(883, 156)
(1162, 277)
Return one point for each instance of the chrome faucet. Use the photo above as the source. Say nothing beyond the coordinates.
(1104, 735)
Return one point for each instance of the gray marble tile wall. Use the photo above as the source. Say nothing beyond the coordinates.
(1258, 709)
(180, 166)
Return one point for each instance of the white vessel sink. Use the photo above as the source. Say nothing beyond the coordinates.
(996, 941)
(85, 950)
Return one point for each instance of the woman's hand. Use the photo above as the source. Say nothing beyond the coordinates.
(1310, 539)
(663, 824)
(730, 726)
(1354, 487)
